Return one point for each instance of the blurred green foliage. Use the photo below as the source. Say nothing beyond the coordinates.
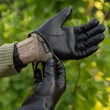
(88, 80)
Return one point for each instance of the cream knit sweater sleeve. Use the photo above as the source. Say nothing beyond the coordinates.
(6, 60)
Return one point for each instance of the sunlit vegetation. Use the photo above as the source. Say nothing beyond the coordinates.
(88, 80)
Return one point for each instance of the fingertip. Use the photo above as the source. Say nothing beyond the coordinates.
(69, 10)
(50, 63)
(102, 37)
(70, 6)
(51, 60)
(62, 16)
(95, 48)
(92, 49)
(102, 27)
(95, 40)
(89, 25)
(95, 20)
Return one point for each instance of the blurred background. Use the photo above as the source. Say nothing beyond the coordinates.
(88, 80)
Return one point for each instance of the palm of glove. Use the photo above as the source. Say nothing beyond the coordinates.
(73, 42)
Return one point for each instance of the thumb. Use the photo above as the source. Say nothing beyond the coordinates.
(62, 16)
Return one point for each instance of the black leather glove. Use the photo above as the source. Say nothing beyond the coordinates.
(71, 42)
(48, 90)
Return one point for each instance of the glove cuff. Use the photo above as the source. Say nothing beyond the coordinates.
(47, 45)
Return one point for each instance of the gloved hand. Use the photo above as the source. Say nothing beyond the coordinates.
(48, 90)
(71, 42)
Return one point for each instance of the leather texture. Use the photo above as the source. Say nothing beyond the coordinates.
(71, 42)
(47, 90)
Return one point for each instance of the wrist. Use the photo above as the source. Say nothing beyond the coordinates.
(27, 51)
(33, 49)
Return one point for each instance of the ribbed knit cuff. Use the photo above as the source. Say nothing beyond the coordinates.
(6, 58)
(18, 64)
(6, 55)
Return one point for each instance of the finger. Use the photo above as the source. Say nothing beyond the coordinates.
(96, 30)
(61, 75)
(90, 42)
(91, 50)
(95, 40)
(50, 70)
(91, 24)
(37, 76)
(87, 52)
(62, 16)
(43, 69)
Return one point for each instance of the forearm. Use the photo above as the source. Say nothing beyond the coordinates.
(13, 57)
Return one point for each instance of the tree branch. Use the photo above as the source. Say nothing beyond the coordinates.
(78, 77)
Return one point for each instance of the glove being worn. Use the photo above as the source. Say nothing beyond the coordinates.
(48, 90)
(71, 42)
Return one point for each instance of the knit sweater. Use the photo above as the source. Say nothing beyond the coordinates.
(6, 60)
